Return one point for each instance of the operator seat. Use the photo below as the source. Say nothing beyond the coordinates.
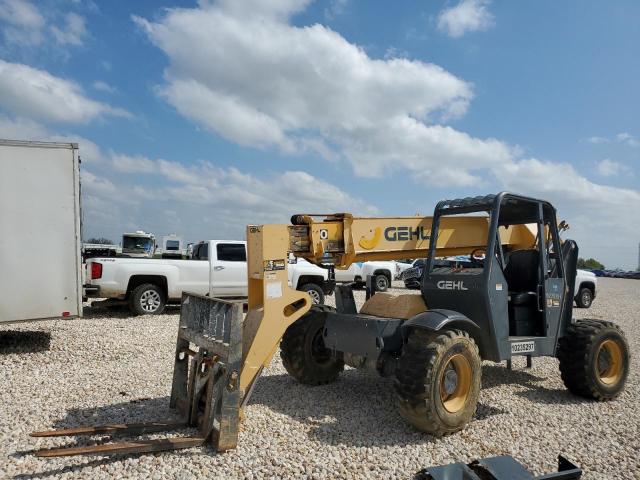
(521, 274)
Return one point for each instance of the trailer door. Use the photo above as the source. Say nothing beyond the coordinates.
(40, 235)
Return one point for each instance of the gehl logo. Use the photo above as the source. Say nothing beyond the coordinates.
(393, 234)
(451, 285)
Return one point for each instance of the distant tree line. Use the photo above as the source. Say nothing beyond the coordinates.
(101, 241)
(590, 263)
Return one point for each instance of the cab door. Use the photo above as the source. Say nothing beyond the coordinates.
(229, 270)
(554, 275)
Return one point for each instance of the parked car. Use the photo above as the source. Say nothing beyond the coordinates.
(402, 266)
(217, 268)
(412, 276)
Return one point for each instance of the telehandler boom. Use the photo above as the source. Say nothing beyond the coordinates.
(516, 299)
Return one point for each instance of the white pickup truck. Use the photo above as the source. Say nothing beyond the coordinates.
(218, 268)
(383, 273)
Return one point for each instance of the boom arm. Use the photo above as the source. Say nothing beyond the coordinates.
(342, 239)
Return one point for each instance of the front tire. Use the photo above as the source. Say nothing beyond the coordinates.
(584, 298)
(594, 359)
(314, 291)
(303, 353)
(438, 381)
(147, 299)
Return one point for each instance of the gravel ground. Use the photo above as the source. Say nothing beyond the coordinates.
(109, 367)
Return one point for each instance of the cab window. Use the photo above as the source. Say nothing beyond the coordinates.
(231, 252)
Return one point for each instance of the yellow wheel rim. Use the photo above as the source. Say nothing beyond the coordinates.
(609, 364)
(455, 383)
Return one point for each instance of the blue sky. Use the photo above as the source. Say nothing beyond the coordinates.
(200, 117)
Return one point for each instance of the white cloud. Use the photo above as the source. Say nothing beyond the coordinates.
(72, 32)
(603, 219)
(20, 13)
(97, 185)
(628, 139)
(47, 26)
(132, 164)
(466, 16)
(124, 192)
(624, 138)
(597, 140)
(23, 21)
(22, 129)
(19, 128)
(268, 84)
(27, 91)
(103, 87)
(213, 201)
(609, 168)
(335, 8)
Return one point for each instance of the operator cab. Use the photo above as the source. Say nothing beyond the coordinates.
(511, 293)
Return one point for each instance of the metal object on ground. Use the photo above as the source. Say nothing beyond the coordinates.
(503, 467)
(205, 390)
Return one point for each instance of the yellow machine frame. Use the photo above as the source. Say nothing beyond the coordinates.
(339, 240)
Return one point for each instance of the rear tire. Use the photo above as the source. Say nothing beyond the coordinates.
(594, 359)
(429, 397)
(147, 299)
(584, 298)
(382, 283)
(303, 353)
(314, 291)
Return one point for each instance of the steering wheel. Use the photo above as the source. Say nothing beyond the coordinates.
(477, 256)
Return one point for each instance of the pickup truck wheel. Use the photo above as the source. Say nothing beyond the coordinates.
(382, 283)
(314, 291)
(584, 299)
(147, 299)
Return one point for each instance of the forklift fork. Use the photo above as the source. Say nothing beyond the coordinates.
(205, 391)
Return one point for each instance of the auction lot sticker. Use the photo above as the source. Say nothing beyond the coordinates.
(523, 347)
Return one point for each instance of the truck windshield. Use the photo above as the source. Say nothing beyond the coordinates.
(137, 243)
(173, 245)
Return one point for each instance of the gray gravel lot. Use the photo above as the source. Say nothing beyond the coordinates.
(110, 367)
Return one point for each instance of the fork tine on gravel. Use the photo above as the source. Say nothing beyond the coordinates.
(139, 446)
(113, 429)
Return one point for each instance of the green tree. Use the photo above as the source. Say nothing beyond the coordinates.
(101, 241)
(590, 263)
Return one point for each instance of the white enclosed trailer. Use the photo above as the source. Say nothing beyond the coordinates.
(40, 234)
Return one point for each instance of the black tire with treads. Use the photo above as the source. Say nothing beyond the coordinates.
(309, 364)
(418, 380)
(578, 351)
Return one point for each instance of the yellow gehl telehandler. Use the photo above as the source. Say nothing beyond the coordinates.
(515, 299)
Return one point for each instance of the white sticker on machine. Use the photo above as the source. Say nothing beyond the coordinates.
(522, 347)
(274, 289)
